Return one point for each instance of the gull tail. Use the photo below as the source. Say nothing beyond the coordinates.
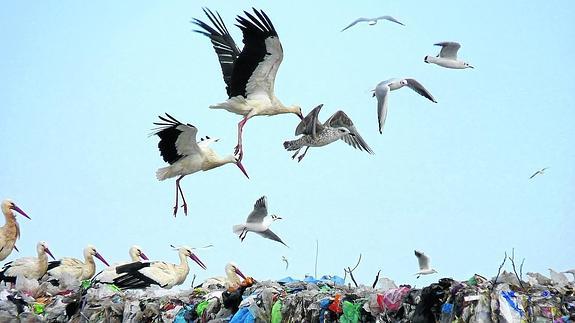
(293, 144)
(238, 228)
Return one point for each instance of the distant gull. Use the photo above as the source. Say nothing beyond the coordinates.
(179, 148)
(539, 172)
(258, 222)
(447, 56)
(250, 74)
(315, 134)
(382, 90)
(424, 267)
(284, 259)
(373, 21)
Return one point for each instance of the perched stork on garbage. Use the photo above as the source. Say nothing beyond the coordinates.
(109, 273)
(10, 232)
(259, 222)
(250, 74)
(232, 279)
(424, 266)
(166, 275)
(28, 267)
(75, 267)
(179, 147)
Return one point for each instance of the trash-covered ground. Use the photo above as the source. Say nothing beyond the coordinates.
(329, 299)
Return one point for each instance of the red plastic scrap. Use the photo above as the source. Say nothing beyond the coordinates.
(392, 299)
(335, 305)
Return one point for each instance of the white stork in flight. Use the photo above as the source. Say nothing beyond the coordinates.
(166, 275)
(250, 74)
(10, 232)
(179, 148)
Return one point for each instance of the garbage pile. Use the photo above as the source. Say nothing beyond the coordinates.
(328, 299)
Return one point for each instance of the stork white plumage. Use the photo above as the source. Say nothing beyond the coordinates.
(10, 232)
(259, 222)
(424, 264)
(250, 74)
(27, 267)
(163, 274)
(179, 147)
(382, 90)
(81, 270)
(109, 273)
(447, 57)
(231, 280)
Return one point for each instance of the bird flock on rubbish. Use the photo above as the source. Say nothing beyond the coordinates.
(249, 77)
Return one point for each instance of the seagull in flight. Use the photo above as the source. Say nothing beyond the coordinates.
(382, 90)
(447, 57)
(315, 134)
(424, 267)
(259, 222)
(539, 172)
(372, 21)
(250, 74)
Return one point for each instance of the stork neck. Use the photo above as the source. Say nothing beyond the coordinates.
(11, 228)
(89, 267)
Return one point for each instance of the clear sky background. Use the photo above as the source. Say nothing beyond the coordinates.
(82, 82)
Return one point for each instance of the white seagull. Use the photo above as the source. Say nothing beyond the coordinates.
(539, 172)
(109, 274)
(382, 90)
(179, 147)
(250, 74)
(447, 57)
(10, 232)
(424, 266)
(373, 21)
(75, 267)
(166, 275)
(315, 134)
(259, 222)
(28, 267)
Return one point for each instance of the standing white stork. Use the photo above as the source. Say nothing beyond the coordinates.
(163, 274)
(28, 267)
(75, 267)
(179, 148)
(10, 232)
(109, 273)
(231, 280)
(250, 74)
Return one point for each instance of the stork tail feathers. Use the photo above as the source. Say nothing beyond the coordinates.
(163, 173)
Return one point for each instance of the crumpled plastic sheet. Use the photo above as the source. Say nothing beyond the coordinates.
(327, 299)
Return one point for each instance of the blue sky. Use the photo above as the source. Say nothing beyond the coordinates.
(82, 83)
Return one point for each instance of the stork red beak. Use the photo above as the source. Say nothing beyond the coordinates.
(143, 256)
(198, 261)
(99, 256)
(49, 253)
(19, 210)
(241, 167)
(240, 273)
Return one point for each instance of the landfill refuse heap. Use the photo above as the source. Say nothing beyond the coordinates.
(328, 299)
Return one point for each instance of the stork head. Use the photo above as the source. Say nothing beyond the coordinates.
(233, 269)
(9, 205)
(136, 253)
(90, 251)
(296, 109)
(42, 247)
(188, 252)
